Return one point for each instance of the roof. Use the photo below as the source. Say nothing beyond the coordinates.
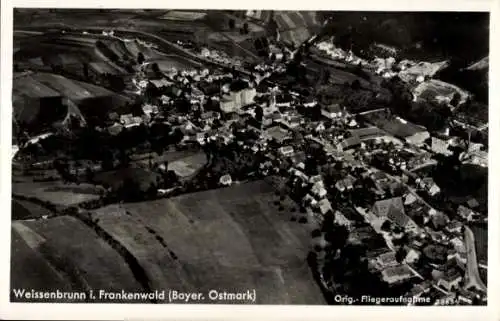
(402, 129)
(161, 82)
(383, 207)
(400, 270)
(277, 133)
(387, 257)
(333, 108)
(350, 142)
(367, 132)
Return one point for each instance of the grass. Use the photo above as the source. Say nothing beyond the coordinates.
(481, 238)
(30, 270)
(76, 251)
(22, 210)
(230, 238)
(57, 193)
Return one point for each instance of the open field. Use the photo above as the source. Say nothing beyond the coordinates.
(189, 165)
(22, 210)
(57, 193)
(231, 238)
(436, 90)
(481, 238)
(29, 269)
(76, 252)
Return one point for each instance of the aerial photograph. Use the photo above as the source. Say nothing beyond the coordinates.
(249, 157)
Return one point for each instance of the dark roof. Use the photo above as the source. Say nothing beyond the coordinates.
(350, 142)
(402, 130)
(384, 207)
(367, 133)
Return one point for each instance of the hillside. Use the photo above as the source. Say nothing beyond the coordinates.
(419, 35)
(227, 239)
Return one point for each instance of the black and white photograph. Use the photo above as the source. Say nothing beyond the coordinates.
(249, 157)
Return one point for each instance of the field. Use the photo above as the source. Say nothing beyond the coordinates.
(481, 237)
(166, 63)
(231, 238)
(22, 210)
(436, 90)
(189, 165)
(74, 251)
(183, 15)
(56, 193)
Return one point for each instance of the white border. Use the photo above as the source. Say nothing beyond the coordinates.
(219, 312)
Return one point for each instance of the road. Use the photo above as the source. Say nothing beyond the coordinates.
(472, 278)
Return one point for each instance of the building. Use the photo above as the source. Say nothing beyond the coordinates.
(393, 209)
(440, 146)
(235, 100)
(226, 180)
(387, 259)
(286, 151)
(451, 279)
(277, 134)
(397, 274)
(332, 111)
(340, 219)
(128, 120)
(324, 206)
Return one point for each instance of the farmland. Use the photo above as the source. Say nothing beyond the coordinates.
(22, 210)
(436, 90)
(75, 251)
(193, 240)
(56, 193)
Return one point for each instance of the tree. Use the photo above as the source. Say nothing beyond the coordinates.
(401, 254)
(386, 226)
(140, 58)
(259, 113)
(356, 85)
(156, 68)
(455, 100)
(232, 24)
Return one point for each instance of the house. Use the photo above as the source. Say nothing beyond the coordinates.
(465, 212)
(226, 180)
(345, 184)
(286, 151)
(454, 227)
(410, 199)
(115, 129)
(387, 259)
(440, 146)
(227, 104)
(128, 120)
(332, 111)
(150, 109)
(451, 279)
(420, 289)
(397, 274)
(324, 206)
(276, 133)
(309, 199)
(458, 244)
(412, 256)
(319, 190)
(393, 209)
(340, 219)
(473, 203)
